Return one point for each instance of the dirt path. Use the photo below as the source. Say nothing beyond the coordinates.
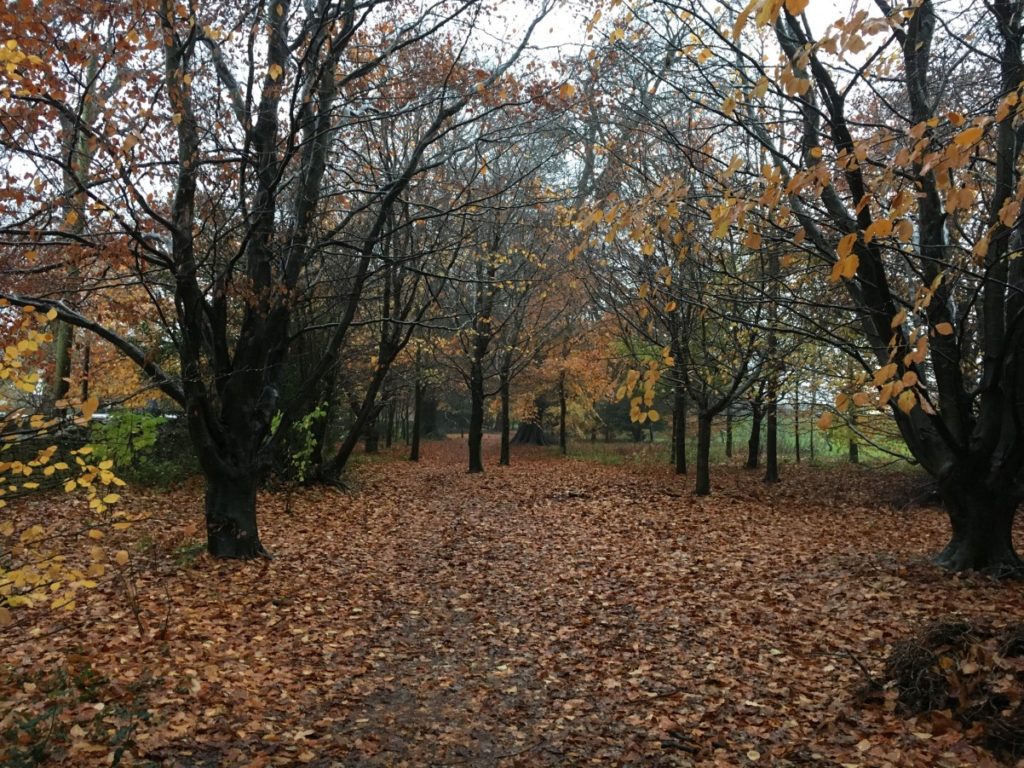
(550, 613)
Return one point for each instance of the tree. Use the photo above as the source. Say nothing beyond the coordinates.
(900, 176)
(212, 190)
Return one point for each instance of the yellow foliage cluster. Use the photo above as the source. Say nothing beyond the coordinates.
(32, 572)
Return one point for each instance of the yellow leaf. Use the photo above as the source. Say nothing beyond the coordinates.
(95, 533)
(567, 91)
(796, 7)
(944, 329)
(5, 617)
(654, 416)
(845, 247)
(907, 400)
(909, 379)
(71, 218)
(825, 421)
(849, 268)
(51, 315)
(69, 486)
(880, 228)
(671, 306)
(275, 71)
(111, 498)
(970, 136)
(861, 399)
(842, 402)
(121, 558)
(898, 318)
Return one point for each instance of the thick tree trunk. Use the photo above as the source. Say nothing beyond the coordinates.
(982, 523)
(772, 448)
(754, 443)
(476, 417)
(679, 430)
(417, 417)
(231, 516)
(703, 486)
(506, 453)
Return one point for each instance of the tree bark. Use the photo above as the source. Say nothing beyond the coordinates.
(728, 434)
(754, 443)
(982, 529)
(703, 486)
(417, 415)
(506, 454)
(679, 429)
(796, 423)
(476, 416)
(231, 516)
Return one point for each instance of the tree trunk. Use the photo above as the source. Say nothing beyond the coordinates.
(506, 454)
(728, 434)
(62, 345)
(476, 417)
(982, 523)
(428, 418)
(563, 443)
(679, 430)
(231, 516)
(754, 443)
(796, 422)
(703, 487)
(772, 434)
(417, 416)
(371, 435)
(814, 406)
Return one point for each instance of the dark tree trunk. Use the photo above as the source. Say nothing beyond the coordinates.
(814, 405)
(728, 434)
(796, 423)
(703, 486)
(754, 443)
(476, 417)
(982, 523)
(231, 516)
(506, 453)
(563, 443)
(772, 448)
(417, 417)
(637, 431)
(679, 430)
(428, 418)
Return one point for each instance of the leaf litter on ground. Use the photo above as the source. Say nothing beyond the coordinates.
(554, 612)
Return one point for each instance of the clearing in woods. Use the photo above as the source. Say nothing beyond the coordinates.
(554, 612)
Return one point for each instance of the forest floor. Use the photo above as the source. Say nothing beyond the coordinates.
(555, 612)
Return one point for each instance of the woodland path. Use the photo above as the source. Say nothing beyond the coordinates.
(554, 612)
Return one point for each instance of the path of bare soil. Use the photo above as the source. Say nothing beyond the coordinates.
(551, 613)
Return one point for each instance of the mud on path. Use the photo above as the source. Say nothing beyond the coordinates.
(554, 612)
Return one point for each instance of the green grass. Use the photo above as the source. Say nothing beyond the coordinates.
(829, 448)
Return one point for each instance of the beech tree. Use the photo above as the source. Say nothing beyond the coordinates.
(220, 180)
(900, 177)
